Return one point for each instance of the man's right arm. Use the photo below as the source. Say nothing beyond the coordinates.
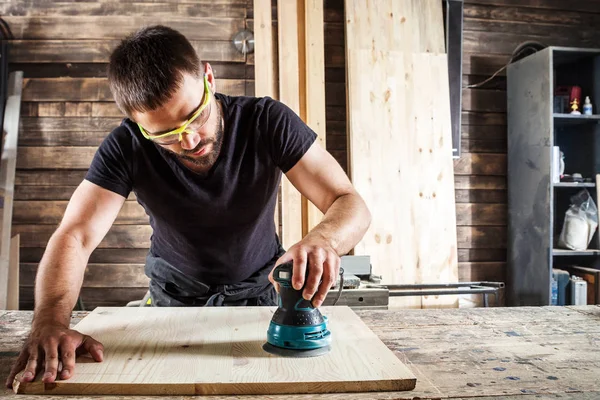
(88, 217)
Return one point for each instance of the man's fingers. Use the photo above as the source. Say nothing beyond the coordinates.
(331, 268)
(33, 365)
(299, 270)
(17, 367)
(67, 357)
(51, 360)
(315, 272)
(94, 347)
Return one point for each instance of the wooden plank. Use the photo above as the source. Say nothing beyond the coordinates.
(289, 94)
(8, 166)
(12, 302)
(483, 146)
(51, 192)
(480, 164)
(402, 121)
(60, 124)
(55, 157)
(395, 25)
(96, 89)
(231, 354)
(265, 76)
(483, 118)
(64, 138)
(117, 27)
(479, 182)
(560, 5)
(479, 255)
(70, 50)
(484, 64)
(51, 212)
(97, 275)
(33, 8)
(314, 79)
(481, 214)
(484, 100)
(98, 256)
(480, 196)
(93, 297)
(118, 237)
(484, 132)
(537, 15)
(44, 178)
(487, 237)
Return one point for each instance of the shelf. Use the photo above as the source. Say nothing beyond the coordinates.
(570, 119)
(565, 252)
(574, 184)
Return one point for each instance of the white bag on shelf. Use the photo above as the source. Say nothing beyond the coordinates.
(581, 221)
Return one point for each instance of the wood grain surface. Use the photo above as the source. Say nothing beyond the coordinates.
(187, 351)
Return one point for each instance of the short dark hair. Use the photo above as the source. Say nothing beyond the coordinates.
(147, 67)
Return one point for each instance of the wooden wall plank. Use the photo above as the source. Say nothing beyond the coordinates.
(50, 177)
(98, 256)
(70, 50)
(51, 212)
(36, 8)
(93, 297)
(314, 80)
(97, 275)
(55, 157)
(572, 5)
(480, 164)
(489, 237)
(118, 237)
(96, 89)
(289, 94)
(117, 27)
(474, 214)
(481, 254)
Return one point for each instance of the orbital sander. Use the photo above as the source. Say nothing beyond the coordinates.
(297, 328)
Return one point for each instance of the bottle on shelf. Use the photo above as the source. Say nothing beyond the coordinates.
(587, 106)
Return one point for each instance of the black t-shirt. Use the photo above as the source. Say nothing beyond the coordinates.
(217, 228)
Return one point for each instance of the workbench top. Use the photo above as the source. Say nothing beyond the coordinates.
(454, 353)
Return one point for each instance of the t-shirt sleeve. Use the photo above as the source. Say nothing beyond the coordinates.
(288, 137)
(111, 165)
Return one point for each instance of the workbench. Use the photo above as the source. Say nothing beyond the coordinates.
(477, 353)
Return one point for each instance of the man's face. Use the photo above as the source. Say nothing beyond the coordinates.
(201, 143)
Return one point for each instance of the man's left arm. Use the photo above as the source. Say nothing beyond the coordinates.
(320, 179)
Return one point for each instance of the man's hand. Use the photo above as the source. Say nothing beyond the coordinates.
(323, 267)
(47, 346)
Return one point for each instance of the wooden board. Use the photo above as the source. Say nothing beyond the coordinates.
(13, 275)
(201, 351)
(265, 72)
(289, 94)
(8, 166)
(314, 82)
(399, 139)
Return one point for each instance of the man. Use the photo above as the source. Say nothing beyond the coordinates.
(206, 168)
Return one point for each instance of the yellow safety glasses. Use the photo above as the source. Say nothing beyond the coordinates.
(192, 125)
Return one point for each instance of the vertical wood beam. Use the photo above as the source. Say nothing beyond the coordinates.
(289, 93)
(314, 81)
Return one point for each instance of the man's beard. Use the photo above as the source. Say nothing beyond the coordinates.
(207, 160)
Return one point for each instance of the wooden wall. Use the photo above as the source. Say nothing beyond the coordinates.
(492, 30)
(63, 48)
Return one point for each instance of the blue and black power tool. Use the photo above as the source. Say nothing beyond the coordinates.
(297, 328)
